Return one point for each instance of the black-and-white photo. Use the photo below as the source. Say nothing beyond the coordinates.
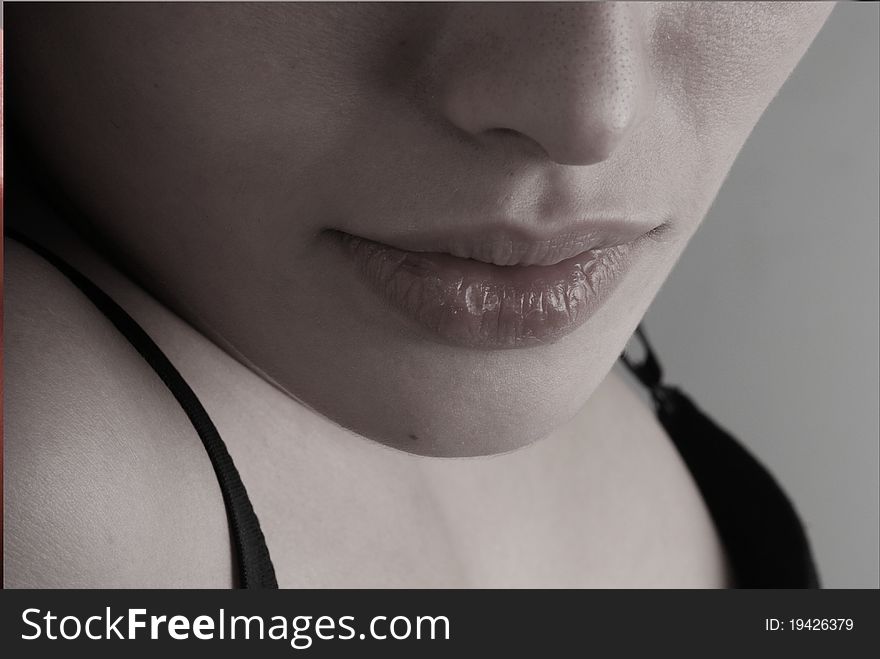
(397, 295)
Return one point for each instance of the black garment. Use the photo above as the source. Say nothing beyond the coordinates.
(761, 532)
(764, 540)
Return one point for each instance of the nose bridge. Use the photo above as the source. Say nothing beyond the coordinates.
(571, 77)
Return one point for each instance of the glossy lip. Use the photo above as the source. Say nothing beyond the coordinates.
(472, 301)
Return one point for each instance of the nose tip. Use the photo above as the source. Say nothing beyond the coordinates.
(589, 128)
(577, 95)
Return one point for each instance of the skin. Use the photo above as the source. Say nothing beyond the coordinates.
(209, 149)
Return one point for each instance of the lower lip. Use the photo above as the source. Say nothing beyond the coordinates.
(479, 305)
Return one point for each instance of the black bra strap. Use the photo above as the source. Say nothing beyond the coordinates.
(759, 527)
(650, 373)
(252, 555)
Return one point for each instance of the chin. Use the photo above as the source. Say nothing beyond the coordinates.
(470, 437)
(472, 419)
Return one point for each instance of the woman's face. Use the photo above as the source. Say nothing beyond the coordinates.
(436, 224)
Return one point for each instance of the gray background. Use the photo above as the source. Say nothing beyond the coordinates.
(770, 319)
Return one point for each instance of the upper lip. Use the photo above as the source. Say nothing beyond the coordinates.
(507, 245)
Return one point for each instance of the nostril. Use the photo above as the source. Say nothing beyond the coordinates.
(518, 139)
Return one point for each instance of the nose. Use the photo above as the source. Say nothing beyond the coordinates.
(571, 77)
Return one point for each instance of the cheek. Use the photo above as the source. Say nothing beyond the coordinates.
(723, 62)
(717, 66)
(219, 114)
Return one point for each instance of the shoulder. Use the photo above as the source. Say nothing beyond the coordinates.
(107, 484)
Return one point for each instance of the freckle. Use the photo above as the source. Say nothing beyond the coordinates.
(413, 437)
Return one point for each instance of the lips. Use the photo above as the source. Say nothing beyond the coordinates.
(462, 296)
(508, 246)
